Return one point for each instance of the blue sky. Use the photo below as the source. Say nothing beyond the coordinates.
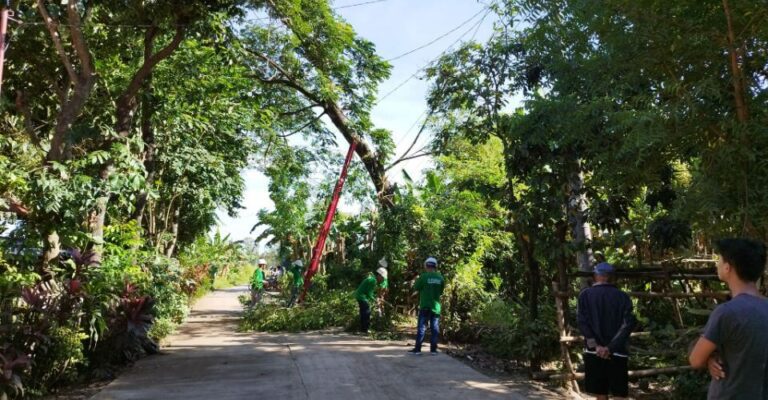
(395, 27)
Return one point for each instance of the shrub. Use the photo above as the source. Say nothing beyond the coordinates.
(505, 331)
(331, 309)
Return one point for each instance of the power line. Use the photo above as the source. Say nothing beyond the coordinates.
(359, 4)
(431, 42)
(396, 88)
(410, 129)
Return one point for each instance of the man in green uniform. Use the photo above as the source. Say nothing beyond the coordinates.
(365, 295)
(257, 282)
(297, 269)
(383, 285)
(429, 287)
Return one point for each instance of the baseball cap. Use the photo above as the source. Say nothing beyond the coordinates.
(603, 268)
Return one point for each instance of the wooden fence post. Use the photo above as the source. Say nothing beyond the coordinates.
(562, 324)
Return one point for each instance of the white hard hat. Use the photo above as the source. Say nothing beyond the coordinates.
(383, 272)
(262, 261)
(431, 260)
(383, 263)
(299, 263)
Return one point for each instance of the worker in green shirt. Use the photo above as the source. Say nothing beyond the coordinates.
(257, 282)
(383, 287)
(366, 294)
(297, 270)
(429, 287)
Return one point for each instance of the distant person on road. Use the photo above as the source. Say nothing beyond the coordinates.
(297, 271)
(734, 345)
(429, 287)
(257, 282)
(605, 319)
(366, 295)
(383, 287)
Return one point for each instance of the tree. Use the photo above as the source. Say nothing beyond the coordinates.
(320, 58)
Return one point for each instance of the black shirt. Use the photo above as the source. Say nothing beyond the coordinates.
(605, 315)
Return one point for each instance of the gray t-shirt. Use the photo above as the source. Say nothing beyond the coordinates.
(739, 328)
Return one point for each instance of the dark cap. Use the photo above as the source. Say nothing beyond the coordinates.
(603, 269)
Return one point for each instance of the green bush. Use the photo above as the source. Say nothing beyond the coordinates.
(60, 357)
(505, 331)
(237, 275)
(162, 328)
(331, 309)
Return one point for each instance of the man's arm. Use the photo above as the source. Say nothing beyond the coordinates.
(416, 287)
(628, 324)
(704, 352)
(585, 322)
(701, 353)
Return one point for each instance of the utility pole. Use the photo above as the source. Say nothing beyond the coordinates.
(6, 4)
(317, 251)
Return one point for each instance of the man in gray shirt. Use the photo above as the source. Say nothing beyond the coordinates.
(734, 345)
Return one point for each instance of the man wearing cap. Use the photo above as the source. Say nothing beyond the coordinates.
(365, 294)
(257, 282)
(429, 286)
(605, 319)
(297, 269)
(383, 286)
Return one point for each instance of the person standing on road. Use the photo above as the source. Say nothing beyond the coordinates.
(365, 295)
(383, 287)
(734, 345)
(297, 270)
(429, 286)
(257, 282)
(605, 319)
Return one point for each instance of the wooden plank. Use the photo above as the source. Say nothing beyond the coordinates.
(673, 295)
(644, 334)
(632, 374)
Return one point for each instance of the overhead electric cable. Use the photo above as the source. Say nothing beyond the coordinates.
(359, 4)
(401, 84)
(433, 41)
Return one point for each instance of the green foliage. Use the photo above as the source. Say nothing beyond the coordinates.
(238, 275)
(504, 331)
(334, 308)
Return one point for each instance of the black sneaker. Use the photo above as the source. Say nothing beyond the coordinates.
(433, 353)
(414, 352)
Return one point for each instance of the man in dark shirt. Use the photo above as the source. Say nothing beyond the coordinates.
(605, 319)
(734, 345)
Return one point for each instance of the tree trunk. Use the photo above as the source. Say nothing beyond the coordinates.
(534, 286)
(376, 170)
(52, 246)
(736, 57)
(147, 133)
(96, 220)
(576, 210)
(174, 231)
(562, 262)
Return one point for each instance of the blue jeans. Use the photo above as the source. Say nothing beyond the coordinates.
(365, 315)
(424, 316)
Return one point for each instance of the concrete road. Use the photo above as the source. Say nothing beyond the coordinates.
(208, 359)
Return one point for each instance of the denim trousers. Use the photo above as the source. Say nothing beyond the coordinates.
(426, 315)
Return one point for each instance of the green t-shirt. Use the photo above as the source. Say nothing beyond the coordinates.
(298, 279)
(384, 284)
(430, 286)
(365, 291)
(257, 280)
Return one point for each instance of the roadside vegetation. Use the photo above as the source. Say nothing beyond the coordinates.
(632, 128)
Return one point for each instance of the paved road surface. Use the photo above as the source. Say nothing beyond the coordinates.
(208, 359)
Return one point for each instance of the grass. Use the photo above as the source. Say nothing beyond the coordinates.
(240, 275)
